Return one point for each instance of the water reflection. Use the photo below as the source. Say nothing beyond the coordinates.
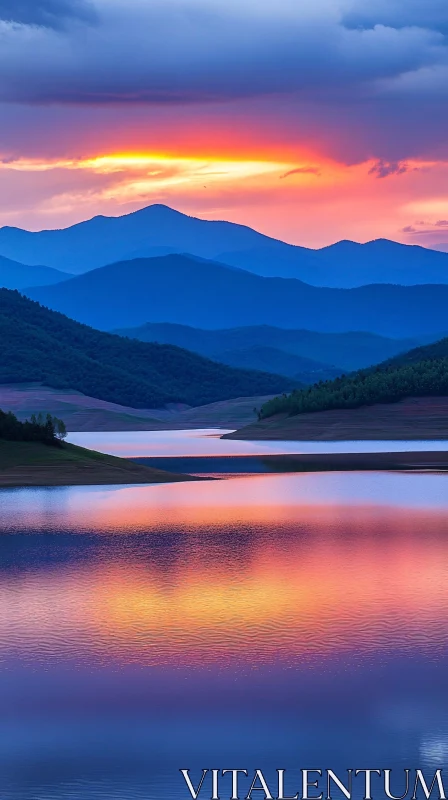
(208, 442)
(265, 622)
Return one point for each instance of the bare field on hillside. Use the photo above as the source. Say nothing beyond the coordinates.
(413, 418)
(83, 413)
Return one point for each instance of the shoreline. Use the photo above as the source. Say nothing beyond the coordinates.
(415, 418)
(28, 464)
(306, 462)
(362, 462)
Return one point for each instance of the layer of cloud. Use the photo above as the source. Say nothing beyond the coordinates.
(46, 13)
(353, 81)
(179, 51)
(431, 14)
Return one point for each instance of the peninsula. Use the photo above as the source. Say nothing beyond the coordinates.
(38, 464)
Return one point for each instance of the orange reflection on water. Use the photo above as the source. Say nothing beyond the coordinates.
(223, 503)
(243, 583)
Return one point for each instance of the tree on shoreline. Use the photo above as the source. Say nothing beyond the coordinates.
(41, 428)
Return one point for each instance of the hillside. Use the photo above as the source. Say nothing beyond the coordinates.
(18, 276)
(414, 418)
(39, 345)
(435, 350)
(423, 372)
(184, 290)
(32, 453)
(159, 230)
(386, 385)
(244, 355)
(269, 359)
(37, 464)
(347, 351)
(83, 413)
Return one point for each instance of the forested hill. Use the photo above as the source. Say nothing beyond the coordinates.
(39, 345)
(430, 351)
(423, 372)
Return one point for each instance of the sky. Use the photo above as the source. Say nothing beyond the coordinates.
(310, 120)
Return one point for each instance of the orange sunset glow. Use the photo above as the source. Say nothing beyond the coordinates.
(275, 192)
(312, 122)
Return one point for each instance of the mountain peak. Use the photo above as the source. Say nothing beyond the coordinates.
(162, 207)
(158, 229)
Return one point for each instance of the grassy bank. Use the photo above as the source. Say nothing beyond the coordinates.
(37, 464)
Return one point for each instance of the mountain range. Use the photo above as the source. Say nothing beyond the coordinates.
(159, 230)
(39, 345)
(306, 354)
(345, 264)
(14, 275)
(187, 291)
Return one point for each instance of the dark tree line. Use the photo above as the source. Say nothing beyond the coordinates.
(388, 384)
(46, 429)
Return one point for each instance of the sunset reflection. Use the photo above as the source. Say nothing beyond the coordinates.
(250, 583)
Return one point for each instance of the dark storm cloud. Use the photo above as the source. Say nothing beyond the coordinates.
(201, 50)
(382, 169)
(358, 72)
(432, 14)
(46, 13)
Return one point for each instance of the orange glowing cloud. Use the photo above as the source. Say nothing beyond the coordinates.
(305, 198)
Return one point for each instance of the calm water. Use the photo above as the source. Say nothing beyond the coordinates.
(260, 622)
(207, 442)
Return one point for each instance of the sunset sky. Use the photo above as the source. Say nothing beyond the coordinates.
(311, 120)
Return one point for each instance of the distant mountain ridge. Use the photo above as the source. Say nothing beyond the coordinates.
(103, 240)
(203, 294)
(39, 345)
(346, 264)
(270, 359)
(14, 275)
(319, 352)
(159, 230)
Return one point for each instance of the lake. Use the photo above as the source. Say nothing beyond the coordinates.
(271, 621)
(208, 442)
